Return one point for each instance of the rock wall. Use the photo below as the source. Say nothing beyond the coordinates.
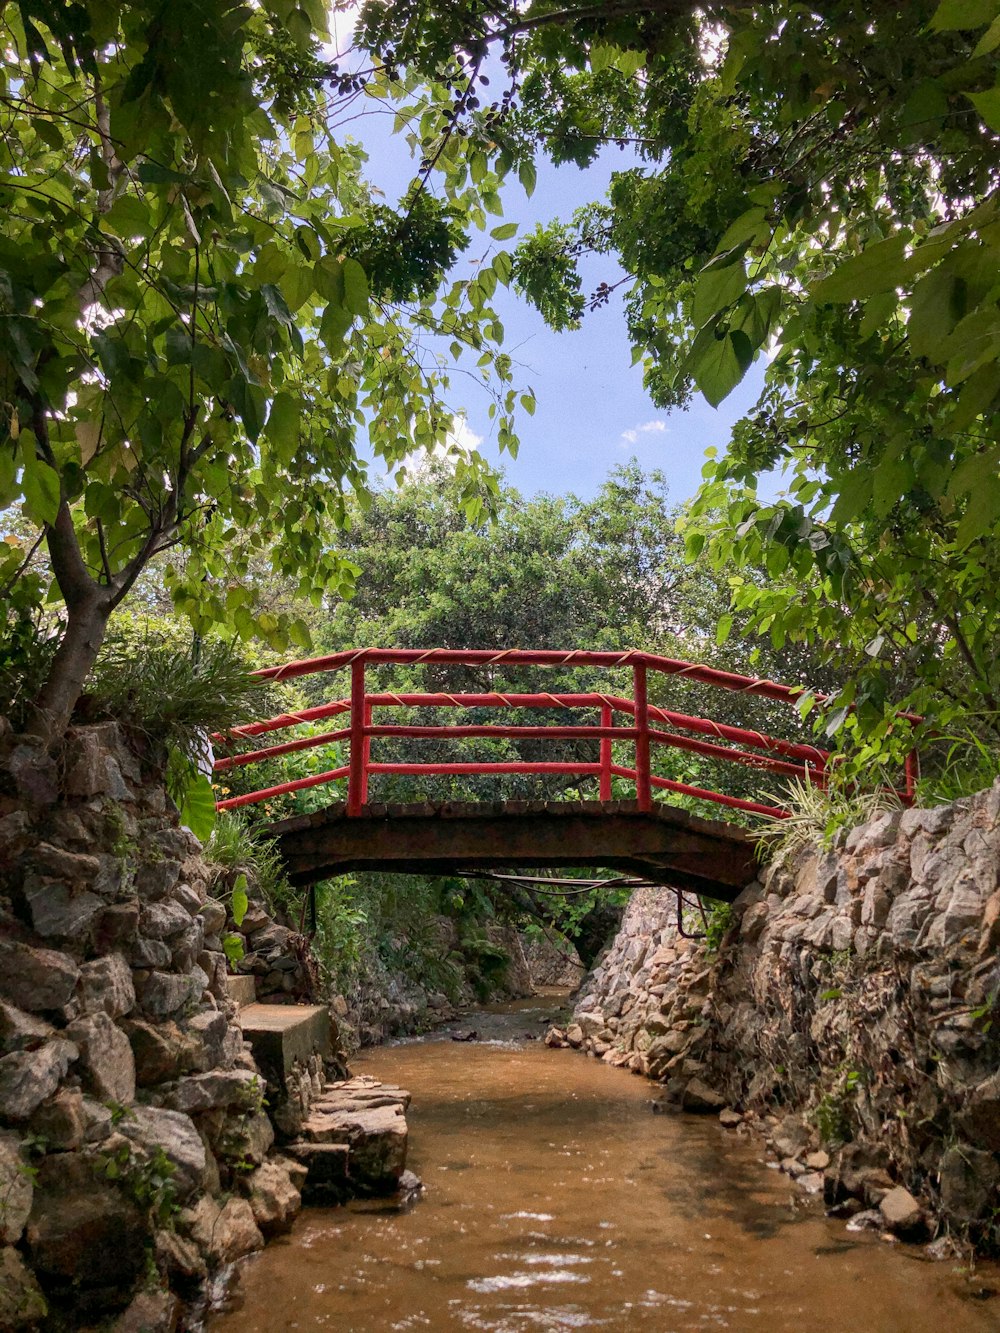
(854, 1004)
(133, 1143)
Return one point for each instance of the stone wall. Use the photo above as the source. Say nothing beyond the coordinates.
(133, 1143)
(853, 1007)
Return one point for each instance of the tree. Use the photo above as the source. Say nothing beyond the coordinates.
(546, 572)
(817, 183)
(203, 304)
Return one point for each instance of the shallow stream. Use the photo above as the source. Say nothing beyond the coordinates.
(556, 1200)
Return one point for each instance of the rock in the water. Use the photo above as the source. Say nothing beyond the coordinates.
(273, 1197)
(151, 1128)
(22, 1305)
(27, 1078)
(152, 1310)
(729, 1119)
(16, 1190)
(106, 1057)
(700, 1098)
(901, 1211)
(223, 1232)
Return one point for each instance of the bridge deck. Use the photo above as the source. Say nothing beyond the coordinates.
(665, 844)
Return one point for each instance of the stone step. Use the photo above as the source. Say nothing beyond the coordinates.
(354, 1139)
(283, 1035)
(242, 989)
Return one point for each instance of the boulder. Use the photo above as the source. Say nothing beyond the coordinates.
(979, 1120)
(163, 920)
(152, 1310)
(59, 911)
(791, 1137)
(699, 1098)
(37, 980)
(968, 1178)
(246, 1138)
(161, 1050)
(213, 915)
(165, 993)
(84, 1231)
(27, 1078)
(106, 1057)
(730, 1119)
(901, 1211)
(209, 1030)
(215, 1089)
(106, 986)
(21, 1031)
(273, 1197)
(61, 1121)
(223, 1233)
(179, 1256)
(16, 1190)
(22, 1305)
(152, 1128)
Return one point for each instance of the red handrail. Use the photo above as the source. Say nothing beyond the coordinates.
(789, 758)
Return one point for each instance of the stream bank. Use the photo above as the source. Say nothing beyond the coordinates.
(555, 1199)
(850, 1008)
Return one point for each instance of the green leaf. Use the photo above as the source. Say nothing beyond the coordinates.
(240, 900)
(723, 629)
(717, 287)
(720, 363)
(504, 232)
(878, 268)
(40, 485)
(961, 15)
(197, 810)
(355, 288)
(232, 947)
(988, 106)
(527, 175)
(989, 41)
(936, 306)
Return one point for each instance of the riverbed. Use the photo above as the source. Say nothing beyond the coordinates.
(555, 1199)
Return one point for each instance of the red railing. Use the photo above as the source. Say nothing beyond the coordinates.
(648, 726)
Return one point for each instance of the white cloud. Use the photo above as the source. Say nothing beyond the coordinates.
(461, 435)
(655, 427)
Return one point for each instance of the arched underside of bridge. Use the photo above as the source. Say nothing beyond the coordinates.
(665, 845)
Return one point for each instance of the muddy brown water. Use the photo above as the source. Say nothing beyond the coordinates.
(556, 1200)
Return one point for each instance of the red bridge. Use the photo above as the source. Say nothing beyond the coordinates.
(655, 839)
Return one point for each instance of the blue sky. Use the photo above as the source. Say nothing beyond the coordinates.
(593, 412)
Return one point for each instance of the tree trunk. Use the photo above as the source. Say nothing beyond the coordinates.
(53, 706)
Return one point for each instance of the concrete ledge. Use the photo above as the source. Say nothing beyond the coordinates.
(281, 1034)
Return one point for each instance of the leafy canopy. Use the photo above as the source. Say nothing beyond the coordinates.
(205, 303)
(818, 185)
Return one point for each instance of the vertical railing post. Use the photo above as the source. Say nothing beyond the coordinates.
(357, 782)
(607, 720)
(912, 772)
(643, 788)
